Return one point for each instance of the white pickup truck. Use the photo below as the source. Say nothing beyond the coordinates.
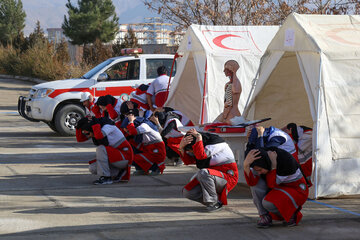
(57, 103)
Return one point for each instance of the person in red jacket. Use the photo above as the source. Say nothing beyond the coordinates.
(277, 185)
(148, 143)
(91, 109)
(110, 107)
(302, 137)
(218, 173)
(114, 154)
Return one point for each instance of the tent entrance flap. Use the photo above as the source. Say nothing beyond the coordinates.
(283, 97)
(188, 100)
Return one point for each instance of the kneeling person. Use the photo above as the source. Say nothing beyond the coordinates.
(114, 154)
(149, 146)
(218, 172)
(277, 185)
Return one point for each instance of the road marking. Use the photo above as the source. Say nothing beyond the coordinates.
(337, 208)
(10, 113)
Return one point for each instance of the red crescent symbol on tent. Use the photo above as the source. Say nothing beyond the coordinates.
(218, 42)
(334, 35)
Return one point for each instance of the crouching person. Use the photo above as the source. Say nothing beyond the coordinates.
(277, 185)
(148, 144)
(218, 172)
(114, 154)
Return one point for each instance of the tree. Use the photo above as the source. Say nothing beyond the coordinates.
(96, 53)
(12, 20)
(91, 20)
(130, 40)
(62, 52)
(37, 35)
(244, 12)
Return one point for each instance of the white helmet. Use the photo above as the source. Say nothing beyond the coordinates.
(85, 96)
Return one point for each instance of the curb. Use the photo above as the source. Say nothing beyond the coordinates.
(28, 79)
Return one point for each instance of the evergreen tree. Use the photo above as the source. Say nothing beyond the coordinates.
(91, 20)
(12, 20)
(37, 35)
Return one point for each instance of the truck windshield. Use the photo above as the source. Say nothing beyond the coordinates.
(96, 69)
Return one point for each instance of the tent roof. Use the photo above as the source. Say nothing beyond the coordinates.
(226, 40)
(337, 36)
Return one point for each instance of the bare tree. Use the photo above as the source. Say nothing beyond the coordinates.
(244, 12)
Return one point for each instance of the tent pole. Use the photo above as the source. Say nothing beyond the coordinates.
(204, 95)
(317, 128)
(172, 67)
(252, 88)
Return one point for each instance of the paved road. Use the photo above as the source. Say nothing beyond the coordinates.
(46, 193)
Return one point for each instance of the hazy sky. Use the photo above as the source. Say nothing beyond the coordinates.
(51, 13)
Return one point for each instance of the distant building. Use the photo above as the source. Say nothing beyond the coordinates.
(152, 31)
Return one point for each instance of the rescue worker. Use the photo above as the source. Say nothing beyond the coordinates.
(218, 172)
(91, 109)
(114, 154)
(261, 137)
(277, 185)
(302, 137)
(157, 92)
(110, 108)
(150, 149)
(139, 96)
(168, 124)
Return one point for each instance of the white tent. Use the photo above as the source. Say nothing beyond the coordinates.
(197, 89)
(310, 75)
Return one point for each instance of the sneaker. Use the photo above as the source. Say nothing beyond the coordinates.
(118, 177)
(215, 207)
(179, 163)
(103, 180)
(139, 172)
(265, 221)
(291, 222)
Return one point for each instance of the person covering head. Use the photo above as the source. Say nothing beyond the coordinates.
(83, 123)
(129, 107)
(105, 100)
(85, 96)
(207, 139)
(264, 161)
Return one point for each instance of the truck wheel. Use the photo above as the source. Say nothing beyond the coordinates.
(67, 117)
(52, 126)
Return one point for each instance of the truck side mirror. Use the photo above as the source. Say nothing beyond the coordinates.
(102, 77)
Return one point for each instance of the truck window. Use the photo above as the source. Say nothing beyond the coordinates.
(129, 70)
(153, 64)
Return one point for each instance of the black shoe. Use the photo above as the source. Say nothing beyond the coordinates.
(118, 177)
(215, 207)
(139, 172)
(103, 180)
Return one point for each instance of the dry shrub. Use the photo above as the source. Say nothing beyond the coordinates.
(40, 61)
(9, 60)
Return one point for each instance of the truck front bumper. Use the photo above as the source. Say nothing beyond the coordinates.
(37, 109)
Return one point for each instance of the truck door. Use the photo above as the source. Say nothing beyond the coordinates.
(122, 78)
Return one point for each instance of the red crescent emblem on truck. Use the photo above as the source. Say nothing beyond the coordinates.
(218, 42)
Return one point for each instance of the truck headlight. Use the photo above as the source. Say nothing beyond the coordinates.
(43, 92)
